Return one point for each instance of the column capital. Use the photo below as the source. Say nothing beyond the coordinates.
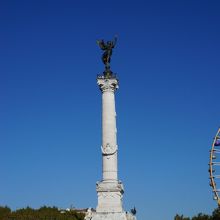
(107, 84)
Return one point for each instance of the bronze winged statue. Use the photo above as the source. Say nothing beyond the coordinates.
(107, 47)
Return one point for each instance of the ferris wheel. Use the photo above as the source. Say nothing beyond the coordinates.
(214, 167)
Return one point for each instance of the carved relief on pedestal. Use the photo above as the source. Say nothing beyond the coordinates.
(108, 149)
(109, 195)
(109, 202)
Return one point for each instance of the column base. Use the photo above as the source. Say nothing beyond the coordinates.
(109, 216)
(109, 196)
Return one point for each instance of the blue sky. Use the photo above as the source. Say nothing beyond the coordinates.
(167, 61)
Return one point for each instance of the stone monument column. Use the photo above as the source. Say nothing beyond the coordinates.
(109, 190)
(109, 138)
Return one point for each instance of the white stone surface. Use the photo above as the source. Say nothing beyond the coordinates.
(109, 132)
(109, 196)
(110, 216)
(109, 190)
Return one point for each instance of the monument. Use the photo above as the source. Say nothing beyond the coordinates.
(110, 190)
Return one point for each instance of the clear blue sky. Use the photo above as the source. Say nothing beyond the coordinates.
(167, 60)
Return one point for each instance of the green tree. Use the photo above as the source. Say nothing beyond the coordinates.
(216, 214)
(4, 212)
(43, 213)
(180, 217)
(201, 216)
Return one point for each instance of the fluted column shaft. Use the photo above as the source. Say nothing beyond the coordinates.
(109, 139)
(109, 136)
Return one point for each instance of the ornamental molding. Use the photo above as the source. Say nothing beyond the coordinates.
(108, 186)
(108, 149)
(107, 85)
(109, 195)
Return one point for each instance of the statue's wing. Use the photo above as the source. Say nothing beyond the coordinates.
(114, 41)
(101, 44)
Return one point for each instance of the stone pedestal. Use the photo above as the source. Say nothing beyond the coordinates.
(109, 196)
(111, 216)
(109, 189)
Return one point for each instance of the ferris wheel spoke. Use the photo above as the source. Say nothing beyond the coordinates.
(215, 163)
(217, 190)
(215, 177)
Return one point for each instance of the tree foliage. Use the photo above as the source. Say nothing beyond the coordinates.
(201, 216)
(53, 213)
(180, 217)
(43, 213)
(215, 216)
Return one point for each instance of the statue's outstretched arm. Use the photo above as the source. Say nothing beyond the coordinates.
(101, 44)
